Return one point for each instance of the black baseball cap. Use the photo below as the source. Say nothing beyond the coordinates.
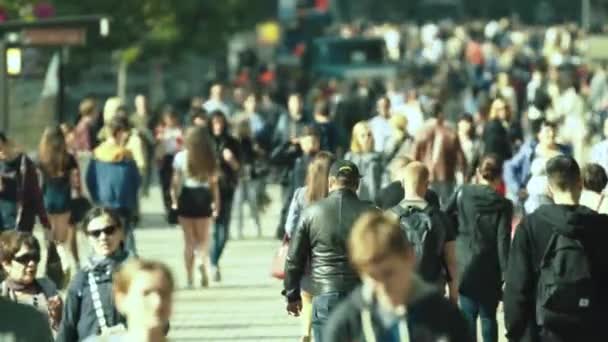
(345, 169)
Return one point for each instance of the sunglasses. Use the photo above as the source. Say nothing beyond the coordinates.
(109, 230)
(27, 257)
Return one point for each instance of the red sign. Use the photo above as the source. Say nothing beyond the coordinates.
(54, 36)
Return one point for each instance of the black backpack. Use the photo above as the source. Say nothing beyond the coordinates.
(566, 291)
(419, 228)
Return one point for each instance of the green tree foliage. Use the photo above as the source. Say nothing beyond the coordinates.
(163, 27)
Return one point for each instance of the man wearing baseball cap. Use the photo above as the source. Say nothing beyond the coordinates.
(322, 238)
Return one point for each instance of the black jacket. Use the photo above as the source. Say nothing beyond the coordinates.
(79, 320)
(392, 194)
(322, 238)
(529, 245)
(23, 323)
(228, 176)
(484, 236)
(496, 140)
(430, 318)
(293, 162)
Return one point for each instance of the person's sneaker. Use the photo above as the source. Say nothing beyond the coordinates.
(204, 276)
(217, 276)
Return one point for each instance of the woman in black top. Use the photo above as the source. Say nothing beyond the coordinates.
(482, 245)
(227, 152)
(496, 138)
(61, 183)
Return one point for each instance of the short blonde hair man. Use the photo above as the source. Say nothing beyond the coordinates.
(415, 178)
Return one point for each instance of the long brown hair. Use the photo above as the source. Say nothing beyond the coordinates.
(316, 177)
(201, 164)
(53, 153)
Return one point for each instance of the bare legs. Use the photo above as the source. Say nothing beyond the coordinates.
(63, 234)
(196, 237)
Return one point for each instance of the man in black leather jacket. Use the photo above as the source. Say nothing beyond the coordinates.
(322, 238)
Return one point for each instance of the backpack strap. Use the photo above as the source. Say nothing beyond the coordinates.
(549, 249)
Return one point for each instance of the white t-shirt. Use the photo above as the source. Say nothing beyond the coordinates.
(180, 163)
(171, 140)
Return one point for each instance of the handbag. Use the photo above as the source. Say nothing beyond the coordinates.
(79, 207)
(278, 261)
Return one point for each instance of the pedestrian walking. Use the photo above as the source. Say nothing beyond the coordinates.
(170, 139)
(316, 189)
(216, 101)
(518, 170)
(495, 137)
(295, 156)
(438, 147)
(393, 303)
(537, 189)
(291, 123)
(195, 196)
(324, 123)
(113, 179)
(482, 246)
(557, 271)
(380, 125)
(594, 183)
(392, 194)
(429, 230)
(89, 306)
(229, 163)
(250, 184)
(20, 256)
(367, 160)
(321, 238)
(20, 194)
(143, 293)
(60, 184)
(143, 124)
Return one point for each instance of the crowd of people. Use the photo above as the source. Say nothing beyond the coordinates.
(412, 208)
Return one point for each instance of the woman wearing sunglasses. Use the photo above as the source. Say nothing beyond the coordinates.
(20, 255)
(89, 306)
(143, 292)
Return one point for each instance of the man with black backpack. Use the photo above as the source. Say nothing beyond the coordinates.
(558, 269)
(429, 230)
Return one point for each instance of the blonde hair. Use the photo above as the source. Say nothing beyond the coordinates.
(87, 107)
(125, 275)
(201, 163)
(355, 144)
(414, 174)
(111, 107)
(374, 237)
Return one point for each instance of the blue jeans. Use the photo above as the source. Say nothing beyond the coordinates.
(127, 223)
(322, 307)
(221, 227)
(486, 311)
